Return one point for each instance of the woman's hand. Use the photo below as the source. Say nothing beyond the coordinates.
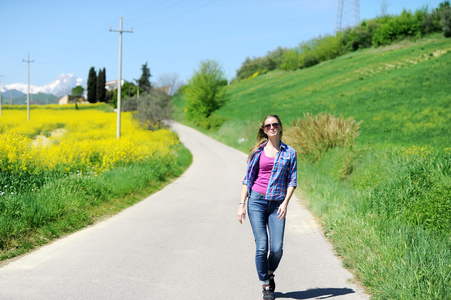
(242, 206)
(241, 213)
(282, 211)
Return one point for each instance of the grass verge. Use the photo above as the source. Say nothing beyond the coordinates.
(389, 219)
(66, 204)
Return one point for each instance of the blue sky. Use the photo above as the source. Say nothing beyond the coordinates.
(173, 36)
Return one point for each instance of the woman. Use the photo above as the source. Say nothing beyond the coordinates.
(270, 181)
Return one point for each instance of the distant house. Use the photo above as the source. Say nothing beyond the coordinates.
(71, 99)
(112, 85)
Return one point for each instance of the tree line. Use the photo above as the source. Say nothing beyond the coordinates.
(148, 104)
(96, 86)
(380, 31)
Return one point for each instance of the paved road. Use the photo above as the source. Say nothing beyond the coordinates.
(183, 242)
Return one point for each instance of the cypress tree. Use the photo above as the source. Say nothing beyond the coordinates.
(104, 82)
(144, 81)
(100, 92)
(92, 83)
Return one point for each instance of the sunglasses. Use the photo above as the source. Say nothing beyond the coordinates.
(275, 125)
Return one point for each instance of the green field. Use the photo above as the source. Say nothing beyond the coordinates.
(384, 202)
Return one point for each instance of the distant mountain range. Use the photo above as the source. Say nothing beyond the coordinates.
(62, 86)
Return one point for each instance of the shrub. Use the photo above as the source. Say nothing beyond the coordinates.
(445, 21)
(153, 108)
(212, 122)
(308, 59)
(359, 37)
(313, 136)
(290, 61)
(250, 67)
(205, 92)
(400, 27)
(329, 47)
(430, 22)
(273, 59)
(129, 104)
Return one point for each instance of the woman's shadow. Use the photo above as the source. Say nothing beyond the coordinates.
(318, 293)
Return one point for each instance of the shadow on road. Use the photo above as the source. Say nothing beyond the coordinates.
(319, 293)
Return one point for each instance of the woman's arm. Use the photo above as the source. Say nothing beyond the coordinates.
(242, 206)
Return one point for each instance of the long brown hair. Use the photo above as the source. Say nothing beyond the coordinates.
(262, 136)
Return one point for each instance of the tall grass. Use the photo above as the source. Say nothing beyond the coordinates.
(312, 136)
(389, 219)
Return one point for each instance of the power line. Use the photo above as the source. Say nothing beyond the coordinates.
(158, 10)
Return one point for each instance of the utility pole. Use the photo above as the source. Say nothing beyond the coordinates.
(1, 95)
(119, 87)
(28, 94)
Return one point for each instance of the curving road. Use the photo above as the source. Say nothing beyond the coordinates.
(183, 242)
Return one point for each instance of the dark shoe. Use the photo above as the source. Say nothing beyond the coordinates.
(272, 283)
(267, 294)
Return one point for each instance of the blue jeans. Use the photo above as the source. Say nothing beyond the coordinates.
(263, 217)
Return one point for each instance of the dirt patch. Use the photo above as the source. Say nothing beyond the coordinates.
(44, 141)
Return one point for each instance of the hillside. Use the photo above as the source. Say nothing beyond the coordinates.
(40, 98)
(384, 203)
(401, 92)
(21, 99)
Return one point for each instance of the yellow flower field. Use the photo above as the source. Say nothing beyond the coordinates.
(76, 141)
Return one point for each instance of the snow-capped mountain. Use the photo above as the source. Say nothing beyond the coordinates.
(62, 86)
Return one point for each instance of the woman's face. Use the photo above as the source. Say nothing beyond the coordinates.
(272, 127)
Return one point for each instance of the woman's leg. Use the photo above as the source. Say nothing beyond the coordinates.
(258, 217)
(276, 230)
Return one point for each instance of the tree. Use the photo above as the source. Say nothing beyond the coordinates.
(128, 90)
(92, 83)
(77, 91)
(445, 20)
(384, 8)
(144, 81)
(171, 81)
(100, 85)
(205, 92)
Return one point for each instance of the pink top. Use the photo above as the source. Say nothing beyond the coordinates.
(264, 173)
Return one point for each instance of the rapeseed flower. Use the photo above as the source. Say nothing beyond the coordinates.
(82, 140)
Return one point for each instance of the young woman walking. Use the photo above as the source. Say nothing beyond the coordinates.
(270, 181)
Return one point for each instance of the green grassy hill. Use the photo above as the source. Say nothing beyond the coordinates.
(385, 203)
(401, 92)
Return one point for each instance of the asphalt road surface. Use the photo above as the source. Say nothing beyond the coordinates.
(183, 242)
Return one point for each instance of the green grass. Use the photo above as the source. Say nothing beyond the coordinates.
(400, 92)
(64, 204)
(385, 202)
(387, 224)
